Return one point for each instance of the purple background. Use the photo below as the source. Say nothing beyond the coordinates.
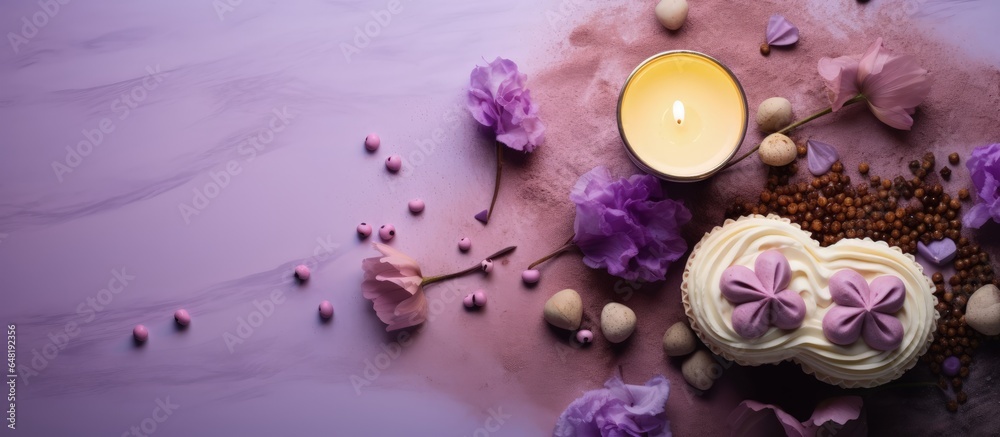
(297, 200)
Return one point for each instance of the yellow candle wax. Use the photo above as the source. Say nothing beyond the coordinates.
(682, 115)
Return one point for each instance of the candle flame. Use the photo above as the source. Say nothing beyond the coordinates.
(678, 111)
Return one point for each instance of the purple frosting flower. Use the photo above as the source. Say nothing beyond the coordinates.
(498, 99)
(762, 297)
(984, 165)
(626, 226)
(618, 410)
(865, 311)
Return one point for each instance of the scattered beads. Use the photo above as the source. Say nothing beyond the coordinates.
(416, 206)
(140, 333)
(765, 49)
(394, 163)
(531, 276)
(372, 141)
(386, 232)
(464, 244)
(302, 272)
(863, 168)
(182, 317)
(951, 366)
(584, 336)
(953, 158)
(326, 310)
(475, 300)
(364, 230)
(486, 265)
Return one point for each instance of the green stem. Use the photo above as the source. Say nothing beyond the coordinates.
(432, 279)
(794, 125)
(496, 184)
(565, 247)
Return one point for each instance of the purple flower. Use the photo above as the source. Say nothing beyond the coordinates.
(984, 166)
(618, 410)
(762, 297)
(626, 226)
(864, 311)
(499, 100)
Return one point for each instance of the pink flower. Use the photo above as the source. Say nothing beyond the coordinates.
(394, 285)
(839, 416)
(893, 85)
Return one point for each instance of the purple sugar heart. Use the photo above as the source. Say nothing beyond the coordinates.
(821, 157)
(939, 252)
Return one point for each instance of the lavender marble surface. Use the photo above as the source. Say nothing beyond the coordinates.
(188, 154)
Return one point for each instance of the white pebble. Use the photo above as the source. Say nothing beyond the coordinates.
(774, 114)
(982, 312)
(679, 340)
(672, 13)
(564, 310)
(777, 150)
(617, 322)
(700, 370)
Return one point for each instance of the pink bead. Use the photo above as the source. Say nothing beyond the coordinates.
(416, 206)
(464, 244)
(302, 272)
(584, 336)
(182, 317)
(468, 301)
(479, 298)
(486, 265)
(531, 276)
(394, 163)
(386, 232)
(364, 230)
(372, 142)
(140, 333)
(326, 310)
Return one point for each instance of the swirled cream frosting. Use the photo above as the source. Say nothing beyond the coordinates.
(740, 242)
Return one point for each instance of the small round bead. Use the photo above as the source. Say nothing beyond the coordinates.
(531, 276)
(416, 206)
(364, 230)
(140, 333)
(386, 232)
(584, 336)
(479, 298)
(182, 317)
(372, 141)
(464, 244)
(302, 272)
(951, 366)
(326, 310)
(469, 301)
(486, 265)
(394, 163)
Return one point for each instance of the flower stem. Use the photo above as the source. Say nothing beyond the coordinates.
(432, 279)
(565, 247)
(496, 184)
(794, 125)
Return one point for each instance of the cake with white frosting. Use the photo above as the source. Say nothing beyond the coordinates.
(759, 290)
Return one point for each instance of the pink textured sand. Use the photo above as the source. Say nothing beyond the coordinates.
(577, 91)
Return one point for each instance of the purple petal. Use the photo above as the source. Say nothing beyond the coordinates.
(481, 216)
(498, 98)
(741, 285)
(781, 32)
(618, 409)
(849, 288)
(751, 319)
(939, 252)
(887, 294)
(773, 270)
(844, 415)
(984, 167)
(754, 419)
(883, 332)
(842, 325)
(788, 310)
(821, 157)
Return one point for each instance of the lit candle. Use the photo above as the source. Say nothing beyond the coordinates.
(682, 116)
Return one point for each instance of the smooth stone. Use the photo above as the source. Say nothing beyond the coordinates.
(672, 13)
(699, 370)
(679, 340)
(982, 312)
(564, 310)
(777, 150)
(774, 114)
(617, 322)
